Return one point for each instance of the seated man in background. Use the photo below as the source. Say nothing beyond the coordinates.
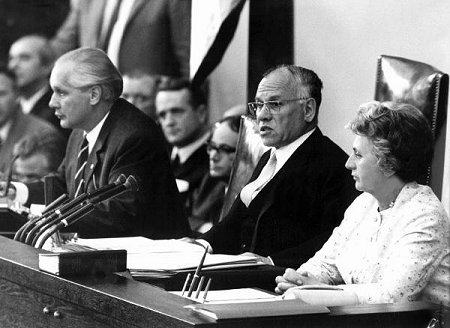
(31, 60)
(110, 137)
(14, 124)
(139, 88)
(37, 156)
(207, 200)
(299, 189)
(182, 115)
(394, 242)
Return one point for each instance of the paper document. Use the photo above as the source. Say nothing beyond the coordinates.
(142, 245)
(166, 257)
(183, 261)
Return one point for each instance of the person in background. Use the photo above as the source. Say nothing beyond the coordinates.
(110, 137)
(182, 114)
(139, 88)
(31, 60)
(14, 124)
(151, 36)
(299, 189)
(393, 244)
(37, 156)
(208, 198)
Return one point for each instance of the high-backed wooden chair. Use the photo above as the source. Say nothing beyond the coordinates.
(424, 86)
(248, 152)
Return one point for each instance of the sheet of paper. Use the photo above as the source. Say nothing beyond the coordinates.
(142, 245)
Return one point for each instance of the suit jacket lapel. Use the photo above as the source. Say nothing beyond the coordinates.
(298, 159)
(94, 156)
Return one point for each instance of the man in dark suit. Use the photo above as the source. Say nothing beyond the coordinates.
(181, 111)
(152, 36)
(14, 125)
(31, 59)
(116, 139)
(300, 187)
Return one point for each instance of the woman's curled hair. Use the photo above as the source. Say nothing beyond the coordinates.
(401, 136)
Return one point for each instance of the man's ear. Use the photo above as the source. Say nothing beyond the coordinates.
(310, 110)
(201, 112)
(96, 94)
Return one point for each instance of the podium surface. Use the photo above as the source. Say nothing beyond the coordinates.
(32, 298)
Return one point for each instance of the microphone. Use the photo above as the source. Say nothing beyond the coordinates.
(52, 217)
(9, 175)
(56, 203)
(20, 234)
(130, 184)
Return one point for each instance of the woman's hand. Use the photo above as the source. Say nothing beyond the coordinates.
(292, 278)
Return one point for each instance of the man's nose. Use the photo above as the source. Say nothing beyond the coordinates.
(349, 165)
(263, 114)
(52, 103)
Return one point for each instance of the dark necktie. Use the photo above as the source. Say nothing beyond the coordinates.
(82, 160)
(176, 163)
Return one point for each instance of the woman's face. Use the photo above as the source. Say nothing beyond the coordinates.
(363, 164)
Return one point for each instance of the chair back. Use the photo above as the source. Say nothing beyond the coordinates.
(248, 152)
(419, 84)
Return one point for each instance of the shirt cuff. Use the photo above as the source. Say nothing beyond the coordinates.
(21, 192)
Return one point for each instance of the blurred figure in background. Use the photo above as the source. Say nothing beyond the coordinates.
(14, 124)
(31, 60)
(37, 156)
(208, 198)
(139, 88)
(152, 36)
(182, 115)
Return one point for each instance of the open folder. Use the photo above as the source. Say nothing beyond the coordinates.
(167, 257)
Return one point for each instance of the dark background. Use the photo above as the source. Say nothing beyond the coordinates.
(21, 17)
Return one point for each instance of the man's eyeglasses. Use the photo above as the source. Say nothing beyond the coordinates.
(273, 106)
(222, 149)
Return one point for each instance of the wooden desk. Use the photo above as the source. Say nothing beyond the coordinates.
(31, 298)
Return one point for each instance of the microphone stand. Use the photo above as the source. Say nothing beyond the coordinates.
(54, 212)
(20, 234)
(33, 236)
(73, 217)
(9, 175)
(83, 209)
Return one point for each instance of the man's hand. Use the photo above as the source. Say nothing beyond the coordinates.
(292, 278)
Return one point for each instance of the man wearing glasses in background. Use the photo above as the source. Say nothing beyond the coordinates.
(300, 187)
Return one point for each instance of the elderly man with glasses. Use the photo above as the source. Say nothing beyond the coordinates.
(300, 187)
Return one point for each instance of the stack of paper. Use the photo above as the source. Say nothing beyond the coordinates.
(164, 258)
